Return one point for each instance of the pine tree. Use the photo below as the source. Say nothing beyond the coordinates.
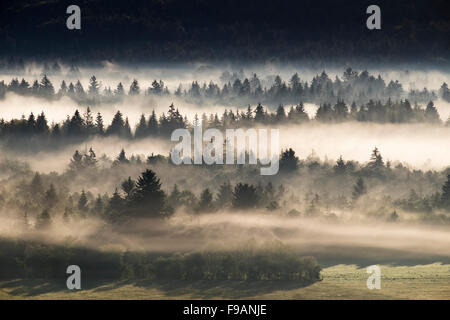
(44, 220)
(56, 132)
(79, 90)
(50, 197)
(122, 158)
(288, 161)
(376, 160)
(89, 121)
(359, 189)
(98, 206)
(119, 92)
(94, 87)
(134, 88)
(41, 124)
(431, 113)
(128, 187)
(259, 113)
(244, 196)
(174, 197)
(225, 195)
(280, 114)
(117, 125)
(90, 159)
(46, 88)
(35, 88)
(76, 125)
(99, 127)
(127, 130)
(63, 89)
(76, 163)
(153, 124)
(340, 166)
(31, 123)
(71, 90)
(82, 202)
(141, 128)
(36, 186)
(446, 192)
(115, 207)
(205, 203)
(148, 198)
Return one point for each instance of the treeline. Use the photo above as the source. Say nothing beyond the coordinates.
(27, 259)
(83, 126)
(144, 197)
(236, 88)
(141, 198)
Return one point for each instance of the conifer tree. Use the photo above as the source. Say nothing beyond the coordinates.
(359, 189)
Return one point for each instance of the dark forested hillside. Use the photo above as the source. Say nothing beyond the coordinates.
(173, 30)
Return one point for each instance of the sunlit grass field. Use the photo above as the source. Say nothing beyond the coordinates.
(430, 281)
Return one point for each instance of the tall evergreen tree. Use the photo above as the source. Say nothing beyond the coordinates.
(99, 127)
(119, 92)
(82, 202)
(128, 187)
(148, 198)
(44, 220)
(46, 88)
(153, 124)
(431, 113)
(446, 192)
(141, 128)
(134, 88)
(225, 195)
(205, 204)
(376, 160)
(117, 126)
(359, 189)
(245, 196)
(288, 161)
(94, 87)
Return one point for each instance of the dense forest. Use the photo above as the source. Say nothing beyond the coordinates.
(378, 187)
(25, 132)
(352, 86)
(356, 96)
(174, 30)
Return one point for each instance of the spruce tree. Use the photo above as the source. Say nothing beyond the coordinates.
(43, 220)
(148, 198)
(446, 192)
(205, 203)
(359, 189)
(141, 128)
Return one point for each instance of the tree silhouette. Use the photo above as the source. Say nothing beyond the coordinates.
(148, 198)
(288, 161)
(376, 160)
(128, 187)
(446, 192)
(82, 202)
(359, 189)
(134, 88)
(205, 203)
(244, 196)
(43, 220)
(225, 195)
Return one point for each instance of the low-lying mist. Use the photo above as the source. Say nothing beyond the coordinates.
(352, 239)
(420, 146)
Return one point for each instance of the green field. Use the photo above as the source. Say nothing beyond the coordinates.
(430, 281)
